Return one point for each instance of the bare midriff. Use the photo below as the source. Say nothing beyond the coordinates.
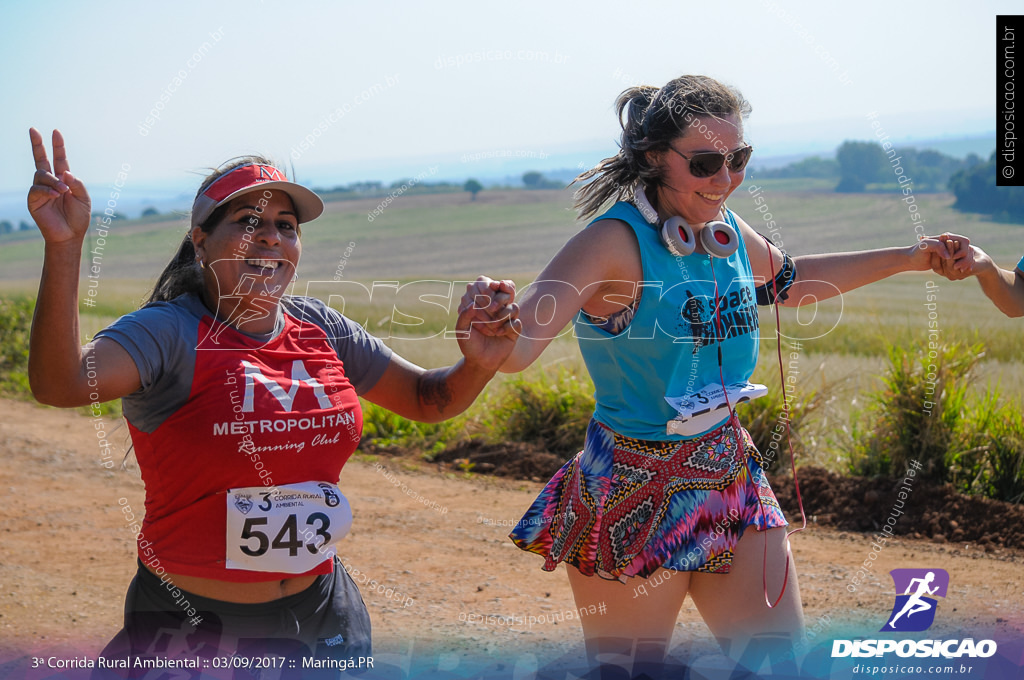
(243, 593)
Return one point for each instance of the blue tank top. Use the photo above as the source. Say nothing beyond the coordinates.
(670, 348)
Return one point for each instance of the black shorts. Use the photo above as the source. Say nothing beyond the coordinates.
(328, 620)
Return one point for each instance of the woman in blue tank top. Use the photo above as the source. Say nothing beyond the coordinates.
(653, 508)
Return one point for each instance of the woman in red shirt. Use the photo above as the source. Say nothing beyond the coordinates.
(242, 406)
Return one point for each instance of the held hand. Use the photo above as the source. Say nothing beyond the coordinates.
(981, 263)
(963, 252)
(488, 323)
(488, 296)
(938, 253)
(57, 201)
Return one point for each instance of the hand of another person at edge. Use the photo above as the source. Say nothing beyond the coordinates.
(979, 261)
(57, 201)
(488, 323)
(937, 252)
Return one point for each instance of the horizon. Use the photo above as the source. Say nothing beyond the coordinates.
(505, 171)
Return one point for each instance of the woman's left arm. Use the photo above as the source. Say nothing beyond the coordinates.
(819, 277)
(486, 339)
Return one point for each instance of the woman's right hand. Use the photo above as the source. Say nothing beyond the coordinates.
(57, 201)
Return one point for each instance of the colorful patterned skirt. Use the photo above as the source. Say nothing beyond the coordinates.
(628, 507)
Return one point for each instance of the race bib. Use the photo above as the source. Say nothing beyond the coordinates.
(289, 528)
(702, 410)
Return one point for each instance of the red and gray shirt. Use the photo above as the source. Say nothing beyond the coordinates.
(222, 416)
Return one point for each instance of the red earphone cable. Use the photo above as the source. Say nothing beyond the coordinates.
(789, 431)
(785, 399)
(735, 422)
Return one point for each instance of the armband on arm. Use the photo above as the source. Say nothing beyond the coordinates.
(784, 278)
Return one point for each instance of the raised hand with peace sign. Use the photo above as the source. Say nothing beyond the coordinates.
(57, 201)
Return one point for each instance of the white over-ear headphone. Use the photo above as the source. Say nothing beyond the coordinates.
(717, 237)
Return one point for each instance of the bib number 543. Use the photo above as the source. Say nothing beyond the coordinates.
(287, 538)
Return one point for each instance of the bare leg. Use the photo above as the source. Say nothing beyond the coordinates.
(733, 604)
(640, 617)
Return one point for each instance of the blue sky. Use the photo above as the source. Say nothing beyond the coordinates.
(388, 89)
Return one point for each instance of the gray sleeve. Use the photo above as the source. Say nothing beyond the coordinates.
(159, 340)
(364, 356)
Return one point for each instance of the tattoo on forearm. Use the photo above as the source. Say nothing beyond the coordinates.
(434, 390)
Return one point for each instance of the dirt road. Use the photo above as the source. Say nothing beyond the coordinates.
(67, 557)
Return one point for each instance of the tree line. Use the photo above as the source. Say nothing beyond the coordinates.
(863, 166)
(866, 166)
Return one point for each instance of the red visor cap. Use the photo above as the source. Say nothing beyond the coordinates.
(246, 178)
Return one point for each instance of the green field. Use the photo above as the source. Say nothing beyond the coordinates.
(430, 244)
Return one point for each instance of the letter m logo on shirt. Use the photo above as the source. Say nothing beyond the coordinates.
(299, 377)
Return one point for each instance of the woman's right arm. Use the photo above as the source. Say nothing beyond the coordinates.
(598, 268)
(60, 371)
